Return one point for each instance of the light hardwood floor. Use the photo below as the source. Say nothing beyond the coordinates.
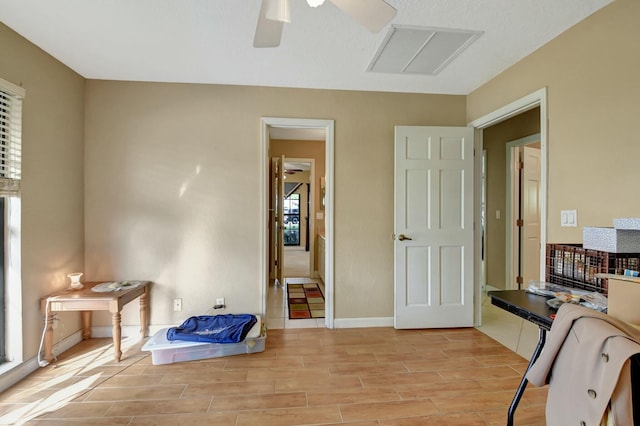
(369, 376)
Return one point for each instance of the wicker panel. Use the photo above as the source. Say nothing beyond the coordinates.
(572, 265)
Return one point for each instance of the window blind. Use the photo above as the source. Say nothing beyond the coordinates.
(10, 138)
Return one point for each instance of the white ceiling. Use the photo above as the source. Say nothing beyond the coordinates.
(211, 41)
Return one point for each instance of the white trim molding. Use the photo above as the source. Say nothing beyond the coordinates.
(526, 103)
(329, 128)
(13, 372)
(363, 322)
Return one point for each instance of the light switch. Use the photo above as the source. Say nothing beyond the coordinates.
(569, 218)
(498, 214)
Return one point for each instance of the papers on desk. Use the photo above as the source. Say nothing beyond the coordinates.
(562, 294)
(116, 286)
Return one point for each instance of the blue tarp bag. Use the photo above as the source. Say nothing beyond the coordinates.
(231, 328)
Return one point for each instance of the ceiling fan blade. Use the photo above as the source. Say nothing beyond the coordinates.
(268, 32)
(372, 14)
(278, 10)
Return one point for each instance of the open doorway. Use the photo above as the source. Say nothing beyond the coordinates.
(306, 208)
(493, 243)
(522, 215)
(503, 145)
(299, 260)
(523, 212)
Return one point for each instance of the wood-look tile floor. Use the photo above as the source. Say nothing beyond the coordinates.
(369, 376)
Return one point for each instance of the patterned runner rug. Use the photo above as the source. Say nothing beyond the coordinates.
(305, 301)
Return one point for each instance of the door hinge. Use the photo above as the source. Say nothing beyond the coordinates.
(520, 165)
(519, 280)
(519, 222)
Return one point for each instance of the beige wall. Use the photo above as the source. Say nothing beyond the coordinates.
(494, 140)
(52, 178)
(591, 74)
(173, 188)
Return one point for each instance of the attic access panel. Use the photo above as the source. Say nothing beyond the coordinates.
(420, 50)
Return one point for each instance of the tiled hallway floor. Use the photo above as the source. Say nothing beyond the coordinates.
(278, 311)
(515, 333)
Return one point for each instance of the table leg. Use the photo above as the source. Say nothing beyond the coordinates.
(48, 337)
(86, 325)
(144, 313)
(542, 333)
(117, 334)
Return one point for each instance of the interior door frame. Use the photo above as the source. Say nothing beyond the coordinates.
(309, 123)
(279, 222)
(272, 262)
(512, 203)
(526, 103)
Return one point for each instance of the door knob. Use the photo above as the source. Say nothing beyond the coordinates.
(402, 237)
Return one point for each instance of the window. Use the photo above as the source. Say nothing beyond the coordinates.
(10, 142)
(3, 311)
(292, 220)
(10, 174)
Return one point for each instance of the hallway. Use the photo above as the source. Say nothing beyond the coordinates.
(278, 313)
(296, 271)
(296, 261)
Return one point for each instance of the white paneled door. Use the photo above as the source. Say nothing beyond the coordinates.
(530, 252)
(433, 244)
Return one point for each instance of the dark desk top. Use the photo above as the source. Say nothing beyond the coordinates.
(529, 306)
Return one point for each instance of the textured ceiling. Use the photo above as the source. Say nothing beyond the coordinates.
(210, 41)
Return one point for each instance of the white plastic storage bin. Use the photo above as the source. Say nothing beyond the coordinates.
(165, 351)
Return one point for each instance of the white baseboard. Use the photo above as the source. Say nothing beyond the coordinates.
(14, 373)
(126, 330)
(363, 322)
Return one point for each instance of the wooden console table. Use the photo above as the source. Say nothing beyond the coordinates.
(85, 300)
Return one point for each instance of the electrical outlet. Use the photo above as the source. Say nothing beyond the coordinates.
(220, 301)
(177, 305)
